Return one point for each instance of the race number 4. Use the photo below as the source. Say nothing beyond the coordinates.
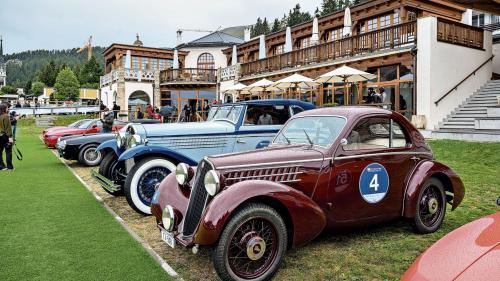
(374, 182)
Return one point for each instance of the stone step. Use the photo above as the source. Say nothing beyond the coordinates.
(479, 105)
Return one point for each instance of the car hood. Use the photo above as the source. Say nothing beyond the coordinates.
(275, 155)
(54, 129)
(182, 129)
(91, 138)
(470, 252)
(66, 131)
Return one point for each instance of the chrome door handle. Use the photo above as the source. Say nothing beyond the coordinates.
(415, 158)
(241, 141)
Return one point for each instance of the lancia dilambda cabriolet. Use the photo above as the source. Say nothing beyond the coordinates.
(326, 169)
(144, 155)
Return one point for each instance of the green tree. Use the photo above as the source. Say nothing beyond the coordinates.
(296, 16)
(265, 27)
(27, 87)
(89, 74)
(48, 74)
(329, 6)
(37, 88)
(8, 90)
(277, 26)
(67, 86)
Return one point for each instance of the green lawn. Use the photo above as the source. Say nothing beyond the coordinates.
(51, 227)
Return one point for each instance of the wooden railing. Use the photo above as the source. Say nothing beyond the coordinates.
(191, 75)
(460, 34)
(463, 80)
(387, 38)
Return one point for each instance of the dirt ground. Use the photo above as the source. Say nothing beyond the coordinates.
(188, 265)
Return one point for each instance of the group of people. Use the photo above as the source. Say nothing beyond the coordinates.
(8, 128)
(376, 97)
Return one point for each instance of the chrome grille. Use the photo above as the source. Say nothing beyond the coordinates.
(197, 199)
(277, 174)
(194, 142)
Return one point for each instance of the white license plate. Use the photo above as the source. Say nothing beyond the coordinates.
(168, 238)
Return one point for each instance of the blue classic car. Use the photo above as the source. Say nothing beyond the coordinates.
(144, 154)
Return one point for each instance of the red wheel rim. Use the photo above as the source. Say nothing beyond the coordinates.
(247, 256)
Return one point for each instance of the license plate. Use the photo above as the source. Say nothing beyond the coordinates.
(168, 238)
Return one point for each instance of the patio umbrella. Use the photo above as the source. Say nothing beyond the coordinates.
(137, 102)
(345, 74)
(175, 64)
(315, 31)
(234, 58)
(259, 86)
(288, 40)
(234, 89)
(347, 23)
(262, 47)
(295, 80)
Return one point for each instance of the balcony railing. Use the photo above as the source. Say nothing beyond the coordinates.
(188, 75)
(128, 75)
(460, 34)
(384, 39)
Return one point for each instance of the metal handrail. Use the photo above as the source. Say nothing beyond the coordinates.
(463, 80)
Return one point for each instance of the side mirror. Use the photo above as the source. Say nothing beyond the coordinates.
(344, 142)
(94, 126)
(498, 201)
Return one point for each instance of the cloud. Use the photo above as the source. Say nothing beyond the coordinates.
(55, 24)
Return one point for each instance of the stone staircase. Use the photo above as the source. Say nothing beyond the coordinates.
(478, 114)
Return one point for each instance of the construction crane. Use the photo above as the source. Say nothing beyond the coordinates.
(87, 45)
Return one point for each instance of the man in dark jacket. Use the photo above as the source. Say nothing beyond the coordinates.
(116, 109)
(6, 140)
(107, 121)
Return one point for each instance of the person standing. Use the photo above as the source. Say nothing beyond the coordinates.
(149, 111)
(13, 122)
(139, 115)
(116, 109)
(6, 140)
(107, 121)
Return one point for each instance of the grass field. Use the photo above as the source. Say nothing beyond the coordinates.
(51, 228)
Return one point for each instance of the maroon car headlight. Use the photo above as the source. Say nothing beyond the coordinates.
(183, 173)
(168, 218)
(212, 182)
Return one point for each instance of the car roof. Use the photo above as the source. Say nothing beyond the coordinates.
(346, 111)
(305, 105)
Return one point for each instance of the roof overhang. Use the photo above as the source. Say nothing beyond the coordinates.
(490, 6)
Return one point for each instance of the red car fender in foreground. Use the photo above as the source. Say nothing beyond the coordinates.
(471, 252)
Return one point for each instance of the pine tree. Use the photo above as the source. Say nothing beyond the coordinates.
(265, 27)
(328, 7)
(317, 13)
(276, 26)
(48, 74)
(89, 74)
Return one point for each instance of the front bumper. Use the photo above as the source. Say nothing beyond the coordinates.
(106, 183)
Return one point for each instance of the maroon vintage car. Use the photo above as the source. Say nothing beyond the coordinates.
(326, 169)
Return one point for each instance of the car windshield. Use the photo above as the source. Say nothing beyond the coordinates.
(76, 123)
(85, 124)
(318, 130)
(230, 113)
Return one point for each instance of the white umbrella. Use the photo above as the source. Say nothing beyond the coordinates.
(345, 74)
(175, 64)
(347, 22)
(234, 58)
(315, 32)
(295, 80)
(259, 86)
(288, 40)
(262, 47)
(234, 89)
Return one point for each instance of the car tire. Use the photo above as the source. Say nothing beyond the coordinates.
(107, 169)
(89, 156)
(430, 208)
(139, 185)
(267, 261)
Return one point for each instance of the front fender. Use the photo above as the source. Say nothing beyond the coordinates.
(424, 170)
(145, 150)
(110, 144)
(307, 218)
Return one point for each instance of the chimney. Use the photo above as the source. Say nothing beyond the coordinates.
(247, 34)
(179, 37)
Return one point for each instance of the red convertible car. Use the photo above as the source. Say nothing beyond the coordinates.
(326, 169)
(88, 126)
(471, 252)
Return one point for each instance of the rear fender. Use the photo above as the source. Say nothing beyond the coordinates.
(425, 170)
(141, 151)
(305, 218)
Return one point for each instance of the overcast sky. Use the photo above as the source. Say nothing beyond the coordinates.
(63, 24)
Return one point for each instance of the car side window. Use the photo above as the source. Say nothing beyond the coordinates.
(376, 133)
(296, 109)
(98, 123)
(266, 115)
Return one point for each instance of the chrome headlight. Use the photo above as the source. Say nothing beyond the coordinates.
(183, 173)
(168, 218)
(134, 141)
(61, 144)
(212, 182)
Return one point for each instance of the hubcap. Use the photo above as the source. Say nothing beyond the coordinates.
(256, 247)
(91, 154)
(147, 182)
(433, 206)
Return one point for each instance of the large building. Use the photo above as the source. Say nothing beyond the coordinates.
(424, 53)
(3, 66)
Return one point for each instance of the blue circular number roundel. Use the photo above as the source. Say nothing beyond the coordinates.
(374, 183)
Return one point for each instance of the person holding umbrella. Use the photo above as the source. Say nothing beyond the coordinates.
(166, 113)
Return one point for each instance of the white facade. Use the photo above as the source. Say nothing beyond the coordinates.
(191, 60)
(440, 66)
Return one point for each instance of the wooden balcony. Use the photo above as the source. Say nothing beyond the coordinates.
(384, 39)
(191, 76)
(460, 34)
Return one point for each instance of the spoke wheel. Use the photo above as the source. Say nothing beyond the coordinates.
(147, 182)
(89, 155)
(431, 207)
(252, 245)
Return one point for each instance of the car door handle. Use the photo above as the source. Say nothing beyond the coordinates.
(241, 141)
